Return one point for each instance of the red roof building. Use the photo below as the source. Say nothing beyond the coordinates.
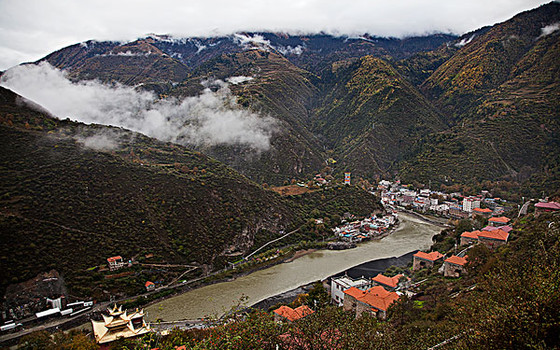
(422, 260)
(548, 207)
(390, 283)
(454, 266)
(498, 221)
(375, 300)
(286, 312)
(469, 237)
(115, 262)
(150, 286)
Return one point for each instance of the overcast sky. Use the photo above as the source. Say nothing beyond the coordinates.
(31, 29)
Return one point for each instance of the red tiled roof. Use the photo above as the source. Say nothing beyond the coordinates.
(549, 205)
(501, 219)
(493, 228)
(433, 256)
(480, 210)
(473, 234)
(457, 260)
(114, 258)
(376, 297)
(496, 234)
(293, 314)
(388, 281)
(149, 283)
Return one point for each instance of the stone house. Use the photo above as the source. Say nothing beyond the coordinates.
(454, 266)
(422, 260)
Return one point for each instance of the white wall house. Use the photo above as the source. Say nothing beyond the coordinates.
(340, 284)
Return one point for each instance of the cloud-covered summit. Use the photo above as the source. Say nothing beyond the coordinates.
(32, 29)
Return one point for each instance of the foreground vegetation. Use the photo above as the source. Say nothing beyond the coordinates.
(509, 299)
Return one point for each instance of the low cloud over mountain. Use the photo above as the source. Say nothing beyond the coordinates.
(210, 119)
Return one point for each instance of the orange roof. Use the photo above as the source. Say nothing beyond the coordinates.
(473, 234)
(388, 281)
(433, 256)
(376, 297)
(149, 283)
(480, 210)
(457, 260)
(501, 219)
(498, 234)
(293, 314)
(114, 258)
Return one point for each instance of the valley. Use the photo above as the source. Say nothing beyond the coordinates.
(186, 174)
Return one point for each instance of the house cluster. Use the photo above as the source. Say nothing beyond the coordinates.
(493, 235)
(361, 295)
(365, 229)
(453, 266)
(453, 205)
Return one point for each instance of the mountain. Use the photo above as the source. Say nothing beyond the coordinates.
(470, 110)
(371, 115)
(499, 94)
(286, 78)
(72, 195)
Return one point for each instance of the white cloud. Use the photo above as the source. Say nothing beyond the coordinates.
(102, 141)
(465, 41)
(549, 29)
(30, 29)
(249, 42)
(288, 50)
(212, 118)
(238, 80)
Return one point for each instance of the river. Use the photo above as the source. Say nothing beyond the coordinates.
(216, 299)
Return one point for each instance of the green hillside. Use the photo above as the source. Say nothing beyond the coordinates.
(278, 89)
(500, 93)
(371, 115)
(67, 206)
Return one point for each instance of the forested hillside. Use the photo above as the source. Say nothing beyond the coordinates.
(73, 195)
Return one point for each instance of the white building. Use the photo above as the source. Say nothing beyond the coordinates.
(470, 203)
(340, 284)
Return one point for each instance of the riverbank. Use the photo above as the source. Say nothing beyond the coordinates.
(367, 270)
(426, 218)
(216, 299)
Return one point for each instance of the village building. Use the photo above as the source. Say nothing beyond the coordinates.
(506, 228)
(115, 262)
(494, 238)
(457, 212)
(422, 260)
(454, 266)
(389, 283)
(498, 221)
(375, 301)
(470, 203)
(150, 286)
(118, 325)
(469, 237)
(485, 213)
(342, 283)
(547, 207)
(286, 313)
